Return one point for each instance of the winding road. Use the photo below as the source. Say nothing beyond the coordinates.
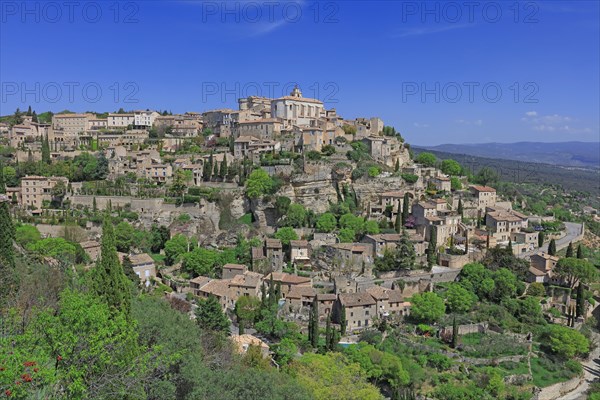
(573, 231)
(591, 370)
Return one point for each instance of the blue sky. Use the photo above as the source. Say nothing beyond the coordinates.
(440, 72)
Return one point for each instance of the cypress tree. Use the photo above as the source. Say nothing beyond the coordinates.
(454, 333)
(210, 316)
(460, 207)
(94, 205)
(552, 247)
(313, 326)
(541, 237)
(431, 256)
(272, 296)
(398, 224)
(397, 167)
(405, 211)
(487, 240)
(45, 150)
(569, 250)
(129, 272)
(343, 321)
(7, 253)
(224, 170)
(580, 302)
(263, 296)
(580, 251)
(510, 245)
(328, 333)
(110, 282)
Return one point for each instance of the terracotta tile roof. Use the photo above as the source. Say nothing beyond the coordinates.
(235, 266)
(257, 253)
(299, 243)
(356, 299)
(378, 292)
(326, 297)
(247, 279)
(200, 280)
(289, 279)
(273, 244)
(483, 188)
(216, 287)
(141, 259)
(298, 292)
(395, 296)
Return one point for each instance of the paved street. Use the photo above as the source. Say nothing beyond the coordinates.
(591, 369)
(573, 230)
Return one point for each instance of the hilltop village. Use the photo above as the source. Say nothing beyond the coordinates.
(284, 212)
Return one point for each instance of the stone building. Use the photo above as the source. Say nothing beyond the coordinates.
(485, 196)
(297, 110)
(35, 190)
(360, 308)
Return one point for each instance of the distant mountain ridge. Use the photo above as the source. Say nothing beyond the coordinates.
(573, 154)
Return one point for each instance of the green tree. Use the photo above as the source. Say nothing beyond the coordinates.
(326, 222)
(296, 216)
(210, 316)
(455, 183)
(57, 248)
(580, 301)
(285, 351)
(175, 248)
(569, 252)
(247, 309)
(398, 225)
(536, 289)
(332, 376)
(27, 235)
(459, 299)
(432, 247)
(454, 333)
(427, 159)
(286, 234)
(401, 258)
(282, 205)
(371, 227)
(224, 169)
(124, 234)
(178, 186)
(109, 281)
(346, 235)
(313, 323)
(486, 176)
(201, 261)
(580, 252)
(46, 150)
(460, 207)
(451, 167)
(541, 239)
(258, 183)
(552, 247)
(405, 210)
(566, 342)
(427, 307)
(129, 272)
(7, 255)
(574, 270)
(505, 284)
(89, 344)
(160, 236)
(343, 321)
